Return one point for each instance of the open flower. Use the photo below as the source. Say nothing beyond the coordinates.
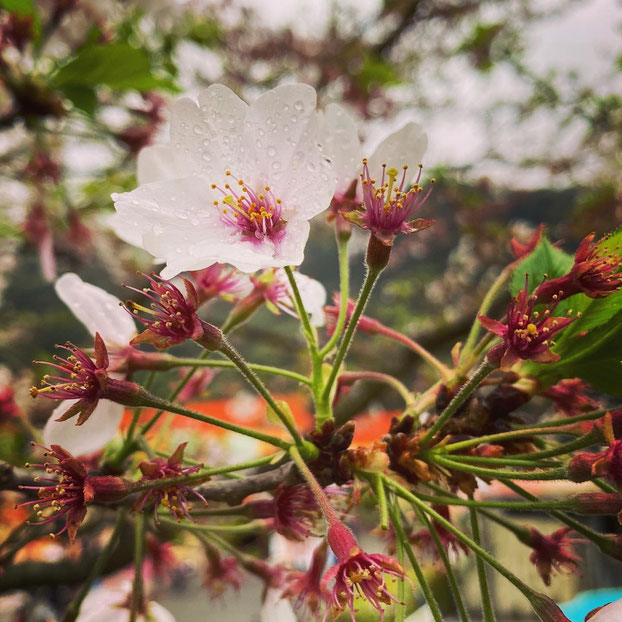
(67, 489)
(171, 317)
(174, 496)
(552, 553)
(305, 589)
(569, 397)
(612, 612)
(294, 510)
(85, 380)
(278, 294)
(449, 542)
(100, 313)
(220, 572)
(237, 184)
(221, 281)
(526, 334)
(389, 206)
(358, 573)
(596, 272)
(104, 604)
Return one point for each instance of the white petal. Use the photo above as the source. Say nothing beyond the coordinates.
(313, 295)
(276, 609)
(609, 613)
(92, 435)
(157, 613)
(98, 310)
(158, 162)
(405, 146)
(340, 142)
(208, 136)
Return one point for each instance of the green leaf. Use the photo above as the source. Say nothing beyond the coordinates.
(595, 357)
(117, 65)
(544, 259)
(82, 97)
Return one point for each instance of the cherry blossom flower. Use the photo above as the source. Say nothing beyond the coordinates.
(553, 552)
(527, 333)
(220, 572)
(100, 313)
(278, 294)
(449, 542)
(569, 397)
(68, 489)
(294, 511)
(608, 613)
(358, 573)
(104, 604)
(237, 184)
(86, 380)
(221, 281)
(171, 316)
(595, 272)
(305, 589)
(174, 497)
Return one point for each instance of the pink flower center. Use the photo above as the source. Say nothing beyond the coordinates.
(388, 206)
(256, 215)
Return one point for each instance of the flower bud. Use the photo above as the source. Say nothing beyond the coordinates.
(597, 503)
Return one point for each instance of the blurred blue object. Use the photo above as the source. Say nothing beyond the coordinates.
(577, 608)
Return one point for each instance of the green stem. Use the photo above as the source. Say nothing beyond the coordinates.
(400, 609)
(487, 609)
(307, 329)
(231, 353)
(344, 294)
(520, 462)
(97, 569)
(164, 405)
(596, 537)
(174, 393)
(325, 506)
(563, 422)
(584, 441)
(553, 474)
(368, 285)
(465, 391)
(451, 576)
(511, 506)
(381, 497)
(483, 309)
(277, 371)
(476, 548)
(138, 596)
(424, 586)
(498, 438)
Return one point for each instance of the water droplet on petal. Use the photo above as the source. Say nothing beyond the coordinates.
(294, 118)
(271, 151)
(299, 105)
(206, 156)
(197, 129)
(276, 165)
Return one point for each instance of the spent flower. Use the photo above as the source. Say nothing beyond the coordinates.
(552, 553)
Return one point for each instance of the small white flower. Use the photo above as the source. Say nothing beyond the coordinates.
(101, 313)
(108, 604)
(312, 294)
(340, 141)
(237, 184)
(609, 613)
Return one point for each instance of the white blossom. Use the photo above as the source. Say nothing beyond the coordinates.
(609, 613)
(100, 312)
(237, 184)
